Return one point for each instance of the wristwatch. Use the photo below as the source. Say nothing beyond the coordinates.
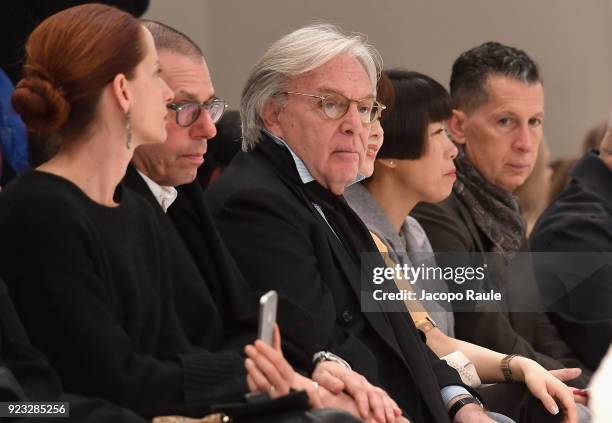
(460, 403)
(425, 324)
(329, 356)
(505, 367)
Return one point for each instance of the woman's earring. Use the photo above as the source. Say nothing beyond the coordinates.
(128, 130)
(390, 162)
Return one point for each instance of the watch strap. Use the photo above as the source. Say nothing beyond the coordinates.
(460, 403)
(329, 356)
(505, 367)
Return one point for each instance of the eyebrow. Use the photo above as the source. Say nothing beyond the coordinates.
(437, 130)
(191, 96)
(503, 112)
(334, 91)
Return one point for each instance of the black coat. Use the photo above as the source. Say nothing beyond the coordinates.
(213, 301)
(580, 220)
(450, 227)
(281, 242)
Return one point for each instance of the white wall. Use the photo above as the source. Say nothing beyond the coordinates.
(570, 39)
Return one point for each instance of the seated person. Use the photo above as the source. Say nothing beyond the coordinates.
(225, 145)
(307, 109)
(414, 164)
(580, 220)
(206, 277)
(13, 138)
(88, 266)
(498, 138)
(533, 194)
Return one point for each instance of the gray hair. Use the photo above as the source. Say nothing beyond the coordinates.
(472, 69)
(295, 54)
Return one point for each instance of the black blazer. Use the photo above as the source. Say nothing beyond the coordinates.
(580, 219)
(213, 301)
(450, 227)
(281, 242)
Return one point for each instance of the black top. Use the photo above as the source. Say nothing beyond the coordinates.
(281, 242)
(93, 289)
(25, 374)
(580, 220)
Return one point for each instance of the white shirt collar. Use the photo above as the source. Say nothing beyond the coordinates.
(164, 195)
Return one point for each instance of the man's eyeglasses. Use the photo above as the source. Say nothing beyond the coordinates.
(336, 105)
(188, 112)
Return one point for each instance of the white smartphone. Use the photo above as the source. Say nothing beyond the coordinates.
(267, 316)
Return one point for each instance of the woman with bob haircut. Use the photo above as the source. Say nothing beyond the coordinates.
(415, 164)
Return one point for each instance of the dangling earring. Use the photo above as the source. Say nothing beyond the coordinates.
(128, 129)
(390, 162)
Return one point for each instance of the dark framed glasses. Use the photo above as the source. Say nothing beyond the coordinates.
(188, 112)
(336, 105)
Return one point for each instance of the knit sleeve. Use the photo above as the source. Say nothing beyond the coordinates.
(93, 334)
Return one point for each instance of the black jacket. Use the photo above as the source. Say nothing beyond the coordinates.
(580, 220)
(450, 227)
(213, 301)
(281, 242)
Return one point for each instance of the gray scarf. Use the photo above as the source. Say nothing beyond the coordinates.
(495, 211)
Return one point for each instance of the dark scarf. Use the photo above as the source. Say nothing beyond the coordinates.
(495, 211)
(345, 223)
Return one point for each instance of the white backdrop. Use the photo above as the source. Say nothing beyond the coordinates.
(570, 39)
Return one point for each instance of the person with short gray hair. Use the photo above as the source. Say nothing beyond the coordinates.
(297, 54)
(307, 109)
(472, 69)
(205, 277)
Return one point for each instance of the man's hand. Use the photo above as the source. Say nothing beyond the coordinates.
(472, 413)
(344, 402)
(371, 400)
(469, 412)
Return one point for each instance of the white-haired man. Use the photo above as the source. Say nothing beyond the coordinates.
(213, 302)
(306, 114)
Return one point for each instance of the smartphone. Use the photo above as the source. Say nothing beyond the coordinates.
(267, 316)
